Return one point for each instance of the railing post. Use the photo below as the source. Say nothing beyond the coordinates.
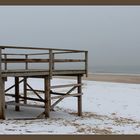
(5, 58)
(86, 63)
(53, 57)
(26, 64)
(50, 63)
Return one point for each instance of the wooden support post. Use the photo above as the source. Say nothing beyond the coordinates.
(79, 88)
(17, 93)
(25, 90)
(50, 63)
(2, 97)
(86, 63)
(47, 96)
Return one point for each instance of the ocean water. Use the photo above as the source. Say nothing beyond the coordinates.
(115, 69)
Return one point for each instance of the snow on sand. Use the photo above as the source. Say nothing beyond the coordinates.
(108, 108)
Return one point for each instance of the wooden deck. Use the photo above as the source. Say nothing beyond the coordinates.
(40, 72)
(10, 55)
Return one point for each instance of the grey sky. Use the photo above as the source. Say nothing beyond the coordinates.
(111, 34)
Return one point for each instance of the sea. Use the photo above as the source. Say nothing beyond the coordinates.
(124, 70)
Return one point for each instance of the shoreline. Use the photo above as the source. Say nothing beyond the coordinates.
(111, 77)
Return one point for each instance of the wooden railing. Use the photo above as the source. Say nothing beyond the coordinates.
(5, 59)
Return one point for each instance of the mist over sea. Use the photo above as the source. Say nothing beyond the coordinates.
(115, 69)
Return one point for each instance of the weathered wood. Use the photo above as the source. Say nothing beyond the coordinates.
(64, 96)
(36, 48)
(47, 95)
(5, 65)
(2, 99)
(51, 61)
(46, 74)
(34, 91)
(41, 72)
(86, 63)
(26, 105)
(13, 85)
(26, 63)
(22, 60)
(58, 86)
(27, 98)
(59, 100)
(79, 89)
(17, 93)
(25, 89)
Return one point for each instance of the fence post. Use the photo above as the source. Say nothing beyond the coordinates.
(86, 63)
(26, 64)
(50, 63)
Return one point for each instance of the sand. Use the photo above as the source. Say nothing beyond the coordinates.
(119, 78)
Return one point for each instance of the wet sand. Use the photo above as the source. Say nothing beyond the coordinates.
(120, 78)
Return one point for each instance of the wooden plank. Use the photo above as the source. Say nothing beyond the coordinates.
(22, 60)
(36, 48)
(68, 52)
(25, 89)
(47, 95)
(58, 86)
(2, 99)
(64, 96)
(86, 63)
(79, 90)
(5, 65)
(26, 63)
(2, 86)
(26, 105)
(51, 61)
(13, 85)
(42, 72)
(34, 91)
(59, 100)
(17, 93)
(27, 98)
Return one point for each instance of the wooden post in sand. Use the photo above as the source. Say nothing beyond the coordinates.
(79, 81)
(17, 93)
(47, 96)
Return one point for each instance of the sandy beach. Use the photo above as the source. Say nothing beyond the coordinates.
(109, 77)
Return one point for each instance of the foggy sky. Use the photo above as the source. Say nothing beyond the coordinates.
(111, 34)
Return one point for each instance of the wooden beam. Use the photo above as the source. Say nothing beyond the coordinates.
(13, 85)
(25, 89)
(34, 91)
(17, 60)
(59, 100)
(79, 89)
(69, 95)
(26, 105)
(27, 98)
(17, 93)
(51, 61)
(47, 95)
(86, 63)
(2, 99)
(36, 48)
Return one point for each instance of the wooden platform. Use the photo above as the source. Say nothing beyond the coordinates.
(10, 55)
(40, 72)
